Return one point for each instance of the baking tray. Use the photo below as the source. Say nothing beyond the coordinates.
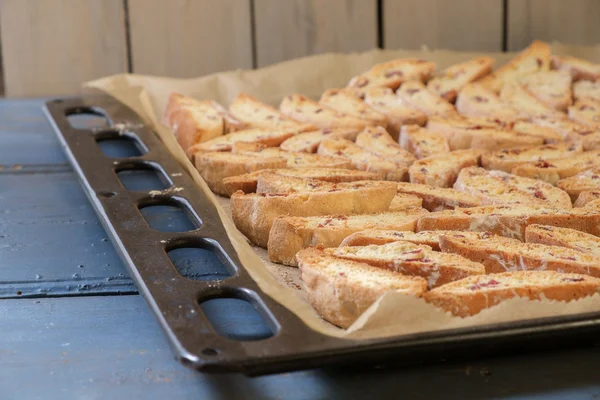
(175, 299)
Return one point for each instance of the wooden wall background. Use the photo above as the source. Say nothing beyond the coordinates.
(49, 47)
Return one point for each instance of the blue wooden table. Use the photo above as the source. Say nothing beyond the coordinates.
(73, 325)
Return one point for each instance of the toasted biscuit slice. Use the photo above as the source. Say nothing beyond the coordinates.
(442, 170)
(586, 112)
(341, 290)
(378, 141)
(307, 111)
(298, 160)
(397, 112)
(454, 78)
(364, 160)
(422, 142)
(392, 74)
(583, 181)
(308, 142)
(549, 135)
(506, 159)
(553, 88)
(256, 114)
(497, 187)
(476, 100)
(535, 58)
(289, 235)
(379, 237)
(403, 201)
(436, 198)
(583, 90)
(346, 102)
(572, 131)
(417, 96)
(587, 197)
(554, 170)
(257, 136)
(412, 260)
(563, 237)
(578, 68)
(526, 103)
(471, 295)
(274, 183)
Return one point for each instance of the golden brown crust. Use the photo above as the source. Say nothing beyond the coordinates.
(454, 78)
(587, 197)
(507, 159)
(438, 199)
(563, 237)
(256, 114)
(442, 170)
(309, 141)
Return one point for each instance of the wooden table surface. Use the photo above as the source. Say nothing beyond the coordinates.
(73, 325)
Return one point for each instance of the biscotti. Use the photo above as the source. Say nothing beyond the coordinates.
(526, 103)
(438, 199)
(535, 58)
(378, 141)
(454, 78)
(510, 220)
(587, 197)
(341, 290)
(274, 183)
(309, 142)
(500, 254)
(553, 88)
(253, 213)
(310, 112)
(586, 112)
(583, 90)
(379, 237)
(300, 159)
(363, 159)
(422, 142)
(583, 181)
(346, 102)
(216, 166)
(402, 201)
(247, 182)
(563, 237)
(289, 235)
(442, 170)
(256, 114)
(392, 74)
(475, 100)
(417, 96)
(554, 170)
(578, 68)
(471, 295)
(571, 131)
(549, 135)
(412, 260)
(268, 138)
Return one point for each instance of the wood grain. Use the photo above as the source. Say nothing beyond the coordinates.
(471, 25)
(186, 39)
(51, 47)
(295, 28)
(573, 21)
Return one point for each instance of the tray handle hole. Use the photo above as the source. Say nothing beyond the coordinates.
(120, 146)
(86, 118)
(108, 195)
(143, 178)
(172, 217)
(200, 262)
(210, 352)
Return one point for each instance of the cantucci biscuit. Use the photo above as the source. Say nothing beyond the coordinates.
(584, 181)
(346, 102)
(586, 112)
(578, 68)
(587, 197)
(526, 103)
(268, 138)
(563, 237)
(442, 170)
(422, 142)
(554, 170)
(476, 100)
(402, 201)
(438, 199)
(299, 159)
(417, 96)
(588, 137)
(256, 114)
(583, 90)
(378, 141)
(309, 142)
(379, 237)
(553, 88)
(275, 183)
(391, 74)
(454, 78)
(549, 135)
(506, 159)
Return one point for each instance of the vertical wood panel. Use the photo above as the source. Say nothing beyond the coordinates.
(469, 25)
(183, 38)
(567, 21)
(49, 47)
(287, 29)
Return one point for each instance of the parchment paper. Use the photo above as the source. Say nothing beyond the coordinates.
(393, 313)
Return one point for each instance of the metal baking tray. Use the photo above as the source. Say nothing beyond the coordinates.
(175, 299)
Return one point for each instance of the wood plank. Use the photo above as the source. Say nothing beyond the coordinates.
(185, 39)
(573, 21)
(469, 25)
(296, 28)
(51, 47)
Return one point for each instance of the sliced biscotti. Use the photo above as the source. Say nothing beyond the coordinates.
(412, 260)
(308, 142)
(310, 112)
(471, 295)
(247, 182)
(498, 187)
(583, 90)
(587, 197)
(583, 181)
(364, 160)
(510, 220)
(299, 159)
(289, 235)
(403, 201)
(569, 130)
(441, 170)
(578, 68)
(564, 237)
(437, 199)
(454, 78)
(391, 74)
(526, 103)
(379, 237)
(476, 100)
(378, 141)
(341, 290)
(268, 138)
(586, 112)
(256, 114)
(397, 112)
(500, 254)
(274, 183)
(554, 170)
(553, 88)
(417, 96)
(346, 101)
(216, 166)
(535, 58)
(549, 135)
(464, 133)
(422, 142)
(506, 159)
